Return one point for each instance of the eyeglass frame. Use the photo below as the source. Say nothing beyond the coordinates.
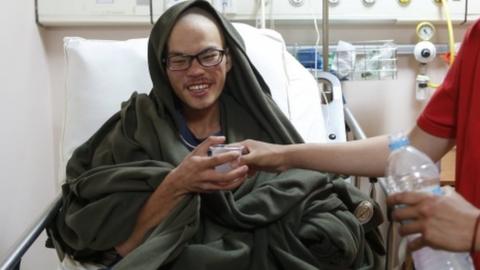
(190, 58)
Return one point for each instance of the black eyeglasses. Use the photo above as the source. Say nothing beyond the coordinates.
(207, 58)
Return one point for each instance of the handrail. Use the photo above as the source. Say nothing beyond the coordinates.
(354, 126)
(14, 257)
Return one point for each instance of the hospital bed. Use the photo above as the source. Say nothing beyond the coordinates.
(100, 74)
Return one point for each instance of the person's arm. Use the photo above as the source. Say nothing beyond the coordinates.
(196, 174)
(364, 157)
(434, 147)
(157, 207)
(445, 222)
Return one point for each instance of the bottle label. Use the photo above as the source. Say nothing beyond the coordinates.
(435, 190)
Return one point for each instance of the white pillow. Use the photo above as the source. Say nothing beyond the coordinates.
(100, 74)
(293, 87)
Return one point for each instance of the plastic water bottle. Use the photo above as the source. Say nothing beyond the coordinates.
(409, 169)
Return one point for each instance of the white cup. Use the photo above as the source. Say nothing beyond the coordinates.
(222, 148)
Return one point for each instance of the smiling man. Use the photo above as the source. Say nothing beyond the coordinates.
(143, 193)
(197, 64)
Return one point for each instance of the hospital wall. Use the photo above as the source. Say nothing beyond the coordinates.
(33, 94)
(26, 132)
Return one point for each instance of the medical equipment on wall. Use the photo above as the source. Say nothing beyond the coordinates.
(425, 51)
(146, 12)
(425, 30)
(365, 60)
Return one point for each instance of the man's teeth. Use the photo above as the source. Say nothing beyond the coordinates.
(198, 87)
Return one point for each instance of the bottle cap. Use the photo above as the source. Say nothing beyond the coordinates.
(398, 141)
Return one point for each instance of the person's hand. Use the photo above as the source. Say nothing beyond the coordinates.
(263, 156)
(444, 222)
(196, 173)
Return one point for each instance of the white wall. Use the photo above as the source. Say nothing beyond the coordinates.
(26, 141)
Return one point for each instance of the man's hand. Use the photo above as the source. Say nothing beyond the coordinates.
(197, 172)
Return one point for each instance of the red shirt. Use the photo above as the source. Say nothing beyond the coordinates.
(454, 112)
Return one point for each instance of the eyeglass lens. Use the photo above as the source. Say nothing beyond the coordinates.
(207, 58)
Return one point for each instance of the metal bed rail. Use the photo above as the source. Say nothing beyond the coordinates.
(391, 236)
(13, 259)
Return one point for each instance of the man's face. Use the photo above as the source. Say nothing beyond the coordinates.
(198, 87)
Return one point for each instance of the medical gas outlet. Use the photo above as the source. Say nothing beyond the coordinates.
(421, 91)
(424, 52)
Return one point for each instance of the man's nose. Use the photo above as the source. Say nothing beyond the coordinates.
(195, 68)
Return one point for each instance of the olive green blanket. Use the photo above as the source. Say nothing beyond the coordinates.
(297, 219)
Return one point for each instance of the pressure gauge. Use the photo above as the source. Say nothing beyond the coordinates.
(425, 31)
